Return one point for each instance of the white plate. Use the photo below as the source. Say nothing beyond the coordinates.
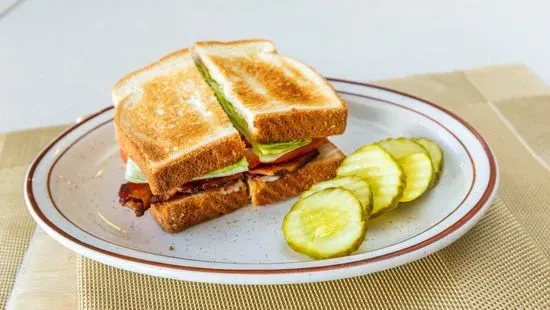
(71, 191)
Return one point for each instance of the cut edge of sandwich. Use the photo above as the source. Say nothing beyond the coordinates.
(218, 150)
(284, 123)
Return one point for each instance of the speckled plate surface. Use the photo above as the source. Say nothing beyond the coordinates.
(71, 191)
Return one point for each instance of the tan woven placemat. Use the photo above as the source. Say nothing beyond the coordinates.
(503, 262)
(16, 225)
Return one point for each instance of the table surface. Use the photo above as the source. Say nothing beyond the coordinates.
(58, 58)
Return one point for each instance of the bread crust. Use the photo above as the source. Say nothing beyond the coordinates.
(216, 155)
(322, 168)
(120, 83)
(298, 124)
(236, 43)
(178, 214)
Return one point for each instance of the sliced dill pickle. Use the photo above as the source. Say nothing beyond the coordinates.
(385, 177)
(359, 187)
(329, 223)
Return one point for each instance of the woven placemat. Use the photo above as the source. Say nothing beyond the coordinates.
(503, 262)
(16, 225)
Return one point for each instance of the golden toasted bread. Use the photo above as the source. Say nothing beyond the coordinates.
(167, 117)
(279, 98)
(268, 189)
(178, 214)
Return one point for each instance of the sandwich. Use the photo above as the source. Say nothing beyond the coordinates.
(204, 131)
(185, 161)
(284, 111)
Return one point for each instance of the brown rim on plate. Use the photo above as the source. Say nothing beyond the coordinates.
(60, 156)
(477, 207)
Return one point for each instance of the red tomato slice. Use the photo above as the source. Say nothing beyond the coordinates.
(254, 161)
(123, 156)
(251, 158)
(315, 143)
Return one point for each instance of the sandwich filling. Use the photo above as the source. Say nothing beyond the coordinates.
(266, 152)
(137, 195)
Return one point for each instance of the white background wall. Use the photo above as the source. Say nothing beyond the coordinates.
(58, 59)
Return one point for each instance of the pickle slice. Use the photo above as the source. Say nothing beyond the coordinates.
(329, 223)
(435, 154)
(418, 169)
(381, 171)
(401, 147)
(356, 185)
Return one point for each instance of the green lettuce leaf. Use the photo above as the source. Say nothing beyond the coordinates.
(135, 175)
(238, 167)
(272, 151)
(237, 119)
(266, 152)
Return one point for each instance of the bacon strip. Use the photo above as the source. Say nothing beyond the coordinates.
(197, 187)
(138, 196)
(282, 168)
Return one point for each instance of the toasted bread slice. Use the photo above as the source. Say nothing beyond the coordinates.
(166, 117)
(267, 189)
(178, 214)
(276, 97)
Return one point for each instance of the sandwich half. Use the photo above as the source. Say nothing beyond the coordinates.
(284, 110)
(273, 183)
(184, 159)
